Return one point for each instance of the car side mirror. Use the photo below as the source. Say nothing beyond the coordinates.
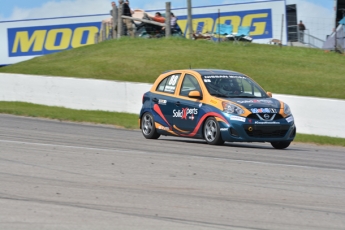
(195, 94)
(269, 94)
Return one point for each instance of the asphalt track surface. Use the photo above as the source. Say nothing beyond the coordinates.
(61, 175)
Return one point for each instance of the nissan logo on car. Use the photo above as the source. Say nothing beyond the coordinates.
(267, 116)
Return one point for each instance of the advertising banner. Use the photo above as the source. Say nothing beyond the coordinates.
(25, 39)
(266, 19)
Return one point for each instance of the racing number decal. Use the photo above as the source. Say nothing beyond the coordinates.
(173, 80)
(171, 86)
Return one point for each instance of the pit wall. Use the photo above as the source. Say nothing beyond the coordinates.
(319, 116)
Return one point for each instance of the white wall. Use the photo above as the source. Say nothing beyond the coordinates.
(317, 116)
(75, 93)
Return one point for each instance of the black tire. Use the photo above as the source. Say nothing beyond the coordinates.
(280, 144)
(211, 132)
(148, 127)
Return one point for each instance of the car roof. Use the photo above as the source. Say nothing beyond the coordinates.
(216, 72)
(204, 72)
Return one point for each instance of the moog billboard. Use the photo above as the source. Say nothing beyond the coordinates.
(260, 22)
(26, 39)
(265, 18)
(39, 40)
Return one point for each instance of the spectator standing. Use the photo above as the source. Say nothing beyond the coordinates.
(127, 2)
(173, 21)
(113, 5)
(126, 11)
(301, 29)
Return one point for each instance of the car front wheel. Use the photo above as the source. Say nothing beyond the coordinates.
(148, 127)
(212, 132)
(280, 144)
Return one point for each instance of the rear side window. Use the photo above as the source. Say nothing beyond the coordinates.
(168, 84)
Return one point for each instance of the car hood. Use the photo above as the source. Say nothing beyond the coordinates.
(256, 103)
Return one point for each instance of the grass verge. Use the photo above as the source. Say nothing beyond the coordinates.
(286, 70)
(125, 120)
(320, 140)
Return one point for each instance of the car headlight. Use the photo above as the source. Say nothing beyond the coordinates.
(231, 108)
(287, 109)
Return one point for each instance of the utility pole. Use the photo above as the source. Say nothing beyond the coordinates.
(335, 6)
(114, 15)
(168, 18)
(189, 19)
(282, 31)
(119, 22)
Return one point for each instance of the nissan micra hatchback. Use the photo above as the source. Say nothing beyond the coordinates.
(215, 105)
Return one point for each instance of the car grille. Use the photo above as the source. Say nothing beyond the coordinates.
(255, 116)
(265, 131)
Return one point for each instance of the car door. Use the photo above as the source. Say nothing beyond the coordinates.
(186, 110)
(163, 98)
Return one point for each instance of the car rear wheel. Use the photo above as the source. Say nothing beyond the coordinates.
(280, 144)
(212, 132)
(148, 127)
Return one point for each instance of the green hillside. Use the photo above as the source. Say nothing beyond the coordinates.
(286, 70)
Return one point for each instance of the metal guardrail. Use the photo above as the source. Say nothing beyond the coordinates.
(314, 41)
(308, 40)
(338, 38)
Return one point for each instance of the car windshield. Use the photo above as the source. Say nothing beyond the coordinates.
(233, 86)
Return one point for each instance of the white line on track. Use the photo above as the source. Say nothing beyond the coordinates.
(157, 153)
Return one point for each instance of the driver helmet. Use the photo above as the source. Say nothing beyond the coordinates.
(230, 86)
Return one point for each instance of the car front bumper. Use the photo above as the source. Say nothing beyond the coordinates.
(259, 131)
